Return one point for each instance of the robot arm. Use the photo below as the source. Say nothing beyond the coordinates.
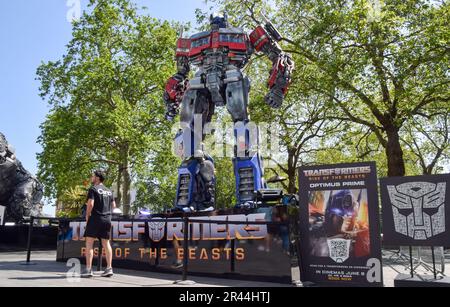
(176, 85)
(265, 39)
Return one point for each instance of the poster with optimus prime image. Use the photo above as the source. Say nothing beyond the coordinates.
(339, 224)
(340, 235)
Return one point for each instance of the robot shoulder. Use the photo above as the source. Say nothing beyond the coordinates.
(200, 35)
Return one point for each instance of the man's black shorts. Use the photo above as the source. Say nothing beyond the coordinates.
(98, 227)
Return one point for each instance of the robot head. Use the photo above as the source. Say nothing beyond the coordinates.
(418, 209)
(340, 205)
(219, 20)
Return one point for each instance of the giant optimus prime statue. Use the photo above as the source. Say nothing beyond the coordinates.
(220, 55)
(20, 192)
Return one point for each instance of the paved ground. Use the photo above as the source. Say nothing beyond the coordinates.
(49, 273)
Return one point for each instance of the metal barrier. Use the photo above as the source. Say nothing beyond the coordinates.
(185, 220)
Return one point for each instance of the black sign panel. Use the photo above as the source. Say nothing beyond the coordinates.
(239, 251)
(416, 210)
(339, 216)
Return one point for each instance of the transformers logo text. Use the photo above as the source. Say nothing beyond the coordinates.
(418, 209)
(159, 229)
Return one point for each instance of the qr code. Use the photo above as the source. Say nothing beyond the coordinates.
(339, 249)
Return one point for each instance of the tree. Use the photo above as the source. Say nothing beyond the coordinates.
(156, 180)
(300, 125)
(389, 64)
(428, 140)
(380, 66)
(72, 201)
(105, 98)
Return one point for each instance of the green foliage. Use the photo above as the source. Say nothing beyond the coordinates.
(105, 97)
(71, 202)
(156, 180)
(371, 84)
(374, 67)
(225, 186)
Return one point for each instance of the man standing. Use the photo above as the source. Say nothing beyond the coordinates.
(100, 204)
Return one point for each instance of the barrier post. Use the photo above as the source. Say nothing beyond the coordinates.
(233, 256)
(184, 280)
(185, 248)
(411, 261)
(30, 236)
(434, 262)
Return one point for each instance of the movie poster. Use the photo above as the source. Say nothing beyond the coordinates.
(416, 210)
(339, 232)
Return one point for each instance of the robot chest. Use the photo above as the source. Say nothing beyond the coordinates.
(229, 42)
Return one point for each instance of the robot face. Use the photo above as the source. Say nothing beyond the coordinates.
(418, 209)
(341, 204)
(156, 230)
(347, 203)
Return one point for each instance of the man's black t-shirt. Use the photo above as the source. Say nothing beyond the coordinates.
(103, 199)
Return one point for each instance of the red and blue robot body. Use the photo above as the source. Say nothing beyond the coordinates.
(220, 55)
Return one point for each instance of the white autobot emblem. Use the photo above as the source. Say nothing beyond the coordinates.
(418, 209)
(339, 249)
(156, 230)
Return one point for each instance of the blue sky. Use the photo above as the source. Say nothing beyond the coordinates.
(32, 31)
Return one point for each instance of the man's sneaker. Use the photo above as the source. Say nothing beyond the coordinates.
(87, 274)
(108, 273)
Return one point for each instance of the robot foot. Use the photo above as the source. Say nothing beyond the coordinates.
(194, 208)
(249, 205)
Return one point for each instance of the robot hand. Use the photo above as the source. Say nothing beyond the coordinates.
(279, 81)
(175, 88)
(275, 97)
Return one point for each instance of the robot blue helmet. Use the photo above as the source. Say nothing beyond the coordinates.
(342, 204)
(219, 20)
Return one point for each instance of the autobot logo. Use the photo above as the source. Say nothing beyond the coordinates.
(156, 230)
(418, 209)
(339, 249)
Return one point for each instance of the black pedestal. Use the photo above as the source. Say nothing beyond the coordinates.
(404, 281)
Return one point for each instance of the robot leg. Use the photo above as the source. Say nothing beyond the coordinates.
(207, 180)
(248, 168)
(195, 188)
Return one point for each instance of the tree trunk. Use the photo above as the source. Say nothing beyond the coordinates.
(119, 186)
(126, 196)
(292, 184)
(126, 191)
(394, 154)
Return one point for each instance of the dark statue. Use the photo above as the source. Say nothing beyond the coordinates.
(20, 192)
